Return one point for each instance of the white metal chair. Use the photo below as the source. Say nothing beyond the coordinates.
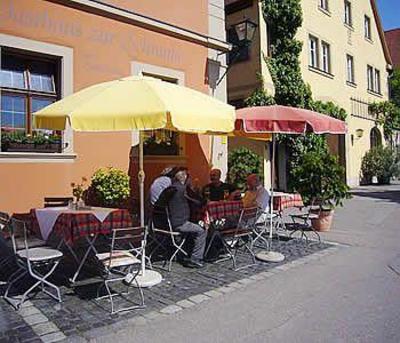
(121, 265)
(162, 235)
(301, 222)
(38, 262)
(262, 227)
(240, 237)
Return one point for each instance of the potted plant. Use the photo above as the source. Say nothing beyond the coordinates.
(19, 141)
(379, 162)
(78, 192)
(320, 180)
(109, 188)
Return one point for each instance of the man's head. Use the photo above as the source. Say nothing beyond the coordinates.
(169, 171)
(215, 176)
(181, 175)
(253, 181)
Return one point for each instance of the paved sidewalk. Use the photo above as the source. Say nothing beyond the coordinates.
(351, 295)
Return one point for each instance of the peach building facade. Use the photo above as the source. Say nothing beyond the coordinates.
(50, 49)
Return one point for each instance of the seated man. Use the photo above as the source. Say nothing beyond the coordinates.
(179, 210)
(256, 195)
(161, 183)
(216, 190)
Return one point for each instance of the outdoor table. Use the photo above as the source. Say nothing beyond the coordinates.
(69, 226)
(223, 209)
(287, 200)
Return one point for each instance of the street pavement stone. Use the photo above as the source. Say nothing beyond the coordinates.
(36, 319)
(44, 328)
(53, 337)
(171, 309)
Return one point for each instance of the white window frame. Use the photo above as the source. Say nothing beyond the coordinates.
(348, 15)
(350, 68)
(377, 81)
(370, 78)
(326, 57)
(367, 27)
(324, 4)
(66, 55)
(313, 43)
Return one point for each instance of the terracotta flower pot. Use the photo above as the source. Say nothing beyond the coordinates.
(324, 222)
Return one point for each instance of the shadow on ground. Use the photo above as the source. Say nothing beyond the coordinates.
(385, 195)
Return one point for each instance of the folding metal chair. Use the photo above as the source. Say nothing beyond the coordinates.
(301, 222)
(119, 264)
(57, 201)
(39, 263)
(262, 227)
(162, 235)
(240, 237)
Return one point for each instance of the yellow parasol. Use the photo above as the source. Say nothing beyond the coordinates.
(138, 103)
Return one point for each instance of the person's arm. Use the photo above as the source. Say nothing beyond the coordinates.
(193, 197)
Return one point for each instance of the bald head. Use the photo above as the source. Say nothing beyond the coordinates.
(253, 181)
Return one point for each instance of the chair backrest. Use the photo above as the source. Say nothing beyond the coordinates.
(57, 201)
(160, 219)
(4, 221)
(126, 239)
(17, 228)
(248, 217)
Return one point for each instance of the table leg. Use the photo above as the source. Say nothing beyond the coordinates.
(91, 242)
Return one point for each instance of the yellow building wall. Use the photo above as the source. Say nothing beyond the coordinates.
(343, 40)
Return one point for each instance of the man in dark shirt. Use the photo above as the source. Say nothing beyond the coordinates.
(179, 211)
(217, 190)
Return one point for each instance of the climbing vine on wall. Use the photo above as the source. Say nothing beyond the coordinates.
(284, 17)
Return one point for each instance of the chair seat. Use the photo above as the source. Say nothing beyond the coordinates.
(166, 232)
(298, 227)
(305, 216)
(118, 259)
(40, 254)
(235, 232)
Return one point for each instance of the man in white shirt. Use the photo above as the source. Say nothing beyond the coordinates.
(256, 195)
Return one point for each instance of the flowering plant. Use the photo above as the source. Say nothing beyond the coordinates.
(78, 189)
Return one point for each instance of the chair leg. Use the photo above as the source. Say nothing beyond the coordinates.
(177, 250)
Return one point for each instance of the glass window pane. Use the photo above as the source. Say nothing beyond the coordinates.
(12, 79)
(40, 82)
(13, 111)
(38, 103)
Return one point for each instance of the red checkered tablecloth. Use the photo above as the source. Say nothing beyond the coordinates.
(286, 200)
(72, 226)
(224, 209)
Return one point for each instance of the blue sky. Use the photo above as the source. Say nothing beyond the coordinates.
(389, 11)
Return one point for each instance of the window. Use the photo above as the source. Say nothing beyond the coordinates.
(27, 83)
(350, 68)
(324, 4)
(161, 142)
(374, 79)
(375, 138)
(313, 44)
(326, 57)
(370, 78)
(348, 20)
(377, 81)
(367, 27)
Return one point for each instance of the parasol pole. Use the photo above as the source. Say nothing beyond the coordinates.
(146, 278)
(271, 256)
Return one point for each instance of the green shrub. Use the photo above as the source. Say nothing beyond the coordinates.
(320, 177)
(241, 163)
(380, 162)
(109, 187)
